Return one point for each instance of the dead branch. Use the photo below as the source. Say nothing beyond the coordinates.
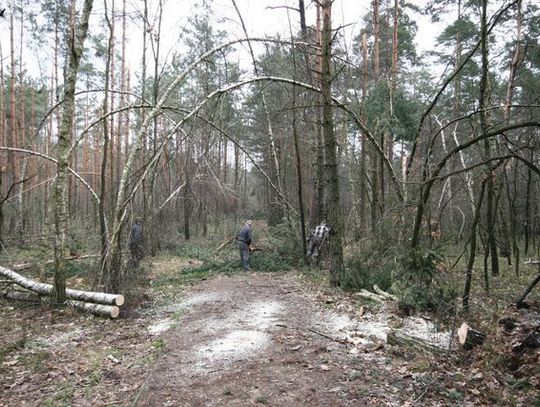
(24, 266)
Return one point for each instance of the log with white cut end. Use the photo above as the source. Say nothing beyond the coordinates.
(469, 338)
(48, 289)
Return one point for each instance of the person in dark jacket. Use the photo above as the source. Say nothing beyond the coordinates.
(244, 242)
(136, 241)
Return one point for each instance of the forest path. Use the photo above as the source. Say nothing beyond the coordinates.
(257, 338)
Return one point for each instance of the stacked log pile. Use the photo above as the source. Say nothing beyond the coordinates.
(97, 303)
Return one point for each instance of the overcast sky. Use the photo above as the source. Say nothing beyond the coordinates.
(271, 17)
(262, 18)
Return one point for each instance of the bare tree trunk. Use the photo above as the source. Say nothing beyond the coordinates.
(318, 204)
(123, 124)
(330, 144)
(187, 194)
(299, 178)
(376, 167)
(13, 162)
(457, 88)
(363, 153)
(515, 63)
(483, 104)
(76, 40)
(106, 138)
(472, 255)
(21, 221)
(152, 223)
(528, 211)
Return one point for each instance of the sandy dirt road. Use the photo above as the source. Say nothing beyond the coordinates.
(260, 339)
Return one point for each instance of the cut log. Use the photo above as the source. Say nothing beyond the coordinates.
(384, 294)
(21, 296)
(48, 289)
(110, 311)
(400, 339)
(469, 338)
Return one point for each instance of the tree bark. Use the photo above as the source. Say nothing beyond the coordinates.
(484, 119)
(106, 139)
(364, 153)
(470, 263)
(318, 210)
(330, 145)
(76, 47)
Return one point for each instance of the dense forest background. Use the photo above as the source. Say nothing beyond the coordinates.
(408, 156)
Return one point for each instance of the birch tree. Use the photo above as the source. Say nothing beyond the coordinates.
(76, 38)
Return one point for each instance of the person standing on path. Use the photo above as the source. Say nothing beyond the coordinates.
(244, 242)
(136, 241)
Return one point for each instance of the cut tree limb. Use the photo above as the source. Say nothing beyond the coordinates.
(48, 289)
(230, 240)
(23, 266)
(469, 338)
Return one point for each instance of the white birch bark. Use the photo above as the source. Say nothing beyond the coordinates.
(48, 289)
(110, 311)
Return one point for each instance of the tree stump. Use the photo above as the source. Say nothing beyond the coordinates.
(469, 338)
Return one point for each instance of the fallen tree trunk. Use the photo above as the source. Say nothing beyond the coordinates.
(110, 311)
(400, 339)
(469, 338)
(48, 289)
